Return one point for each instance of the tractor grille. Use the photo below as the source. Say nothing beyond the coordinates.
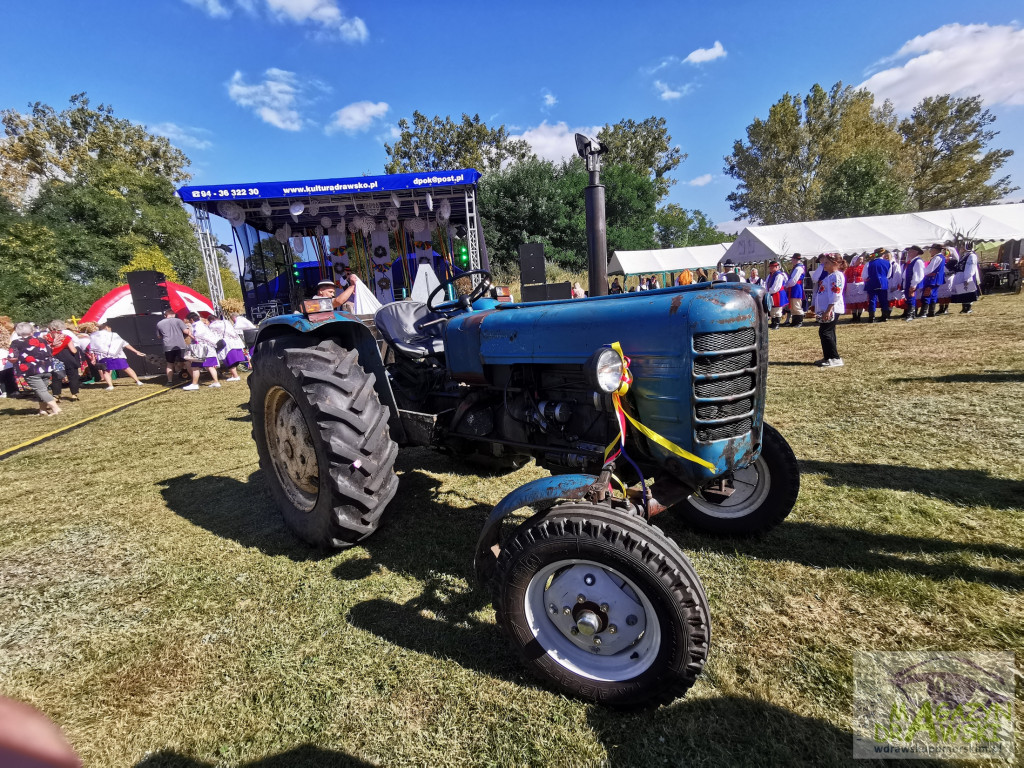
(716, 342)
(725, 371)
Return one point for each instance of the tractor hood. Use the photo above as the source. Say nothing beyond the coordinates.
(698, 356)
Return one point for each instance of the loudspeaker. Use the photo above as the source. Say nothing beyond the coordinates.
(550, 292)
(140, 332)
(149, 292)
(531, 263)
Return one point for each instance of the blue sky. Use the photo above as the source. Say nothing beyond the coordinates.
(258, 90)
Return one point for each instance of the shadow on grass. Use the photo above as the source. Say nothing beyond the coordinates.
(727, 730)
(306, 756)
(238, 510)
(429, 538)
(975, 377)
(959, 486)
(828, 546)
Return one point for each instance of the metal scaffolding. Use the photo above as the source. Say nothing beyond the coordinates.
(211, 262)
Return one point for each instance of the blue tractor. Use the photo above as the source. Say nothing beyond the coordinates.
(637, 404)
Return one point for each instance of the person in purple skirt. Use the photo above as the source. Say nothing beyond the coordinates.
(109, 350)
(232, 351)
(202, 334)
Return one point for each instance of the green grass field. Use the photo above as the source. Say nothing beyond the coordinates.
(158, 610)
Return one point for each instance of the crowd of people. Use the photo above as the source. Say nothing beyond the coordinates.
(41, 363)
(923, 282)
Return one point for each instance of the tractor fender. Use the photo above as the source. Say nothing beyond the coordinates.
(543, 489)
(349, 332)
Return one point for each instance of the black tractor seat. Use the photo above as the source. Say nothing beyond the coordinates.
(400, 323)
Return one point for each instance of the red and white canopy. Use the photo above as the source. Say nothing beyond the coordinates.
(118, 303)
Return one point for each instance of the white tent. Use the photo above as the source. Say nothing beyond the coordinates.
(666, 259)
(989, 222)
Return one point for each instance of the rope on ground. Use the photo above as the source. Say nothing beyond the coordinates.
(8, 452)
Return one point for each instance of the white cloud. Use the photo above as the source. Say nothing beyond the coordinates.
(182, 136)
(668, 61)
(358, 116)
(549, 99)
(700, 181)
(274, 100)
(214, 8)
(666, 92)
(324, 13)
(555, 142)
(733, 227)
(959, 59)
(325, 16)
(701, 55)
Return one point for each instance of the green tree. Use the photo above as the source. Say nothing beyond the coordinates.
(537, 201)
(677, 227)
(43, 145)
(148, 257)
(946, 137)
(781, 168)
(864, 184)
(92, 191)
(439, 144)
(646, 147)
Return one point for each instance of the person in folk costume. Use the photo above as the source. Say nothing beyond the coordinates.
(945, 293)
(934, 276)
(856, 297)
(232, 351)
(109, 349)
(817, 275)
(967, 281)
(201, 333)
(828, 306)
(795, 291)
(913, 276)
(615, 287)
(775, 285)
(876, 282)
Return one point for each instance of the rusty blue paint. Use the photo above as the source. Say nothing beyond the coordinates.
(543, 489)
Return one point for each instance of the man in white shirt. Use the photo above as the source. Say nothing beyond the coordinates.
(913, 276)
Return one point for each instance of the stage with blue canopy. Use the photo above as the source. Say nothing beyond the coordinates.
(291, 234)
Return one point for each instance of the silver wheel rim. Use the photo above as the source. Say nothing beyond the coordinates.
(291, 449)
(617, 633)
(751, 484)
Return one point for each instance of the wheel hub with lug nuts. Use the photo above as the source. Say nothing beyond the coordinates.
(600, 612)
(291, 449)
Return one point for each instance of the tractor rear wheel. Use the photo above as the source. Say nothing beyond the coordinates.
(603, 606)
(323, 441)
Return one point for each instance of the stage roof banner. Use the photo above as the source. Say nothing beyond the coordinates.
(666, 259)
(865, 234)
(269, 190)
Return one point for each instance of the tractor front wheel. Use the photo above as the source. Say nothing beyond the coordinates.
(322, 437)
(602, 606)
(761, 495)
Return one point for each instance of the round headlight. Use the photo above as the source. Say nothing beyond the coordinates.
(605, 370)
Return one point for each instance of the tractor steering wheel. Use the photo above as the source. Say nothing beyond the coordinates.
(465, 301)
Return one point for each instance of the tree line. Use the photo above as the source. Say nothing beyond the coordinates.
(87, 196)
(837, 154)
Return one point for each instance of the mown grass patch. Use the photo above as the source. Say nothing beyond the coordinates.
(157, 608)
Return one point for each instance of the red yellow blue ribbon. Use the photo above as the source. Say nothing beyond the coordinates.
(615, 447)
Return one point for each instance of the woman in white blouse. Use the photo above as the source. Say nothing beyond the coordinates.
(202, 334)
